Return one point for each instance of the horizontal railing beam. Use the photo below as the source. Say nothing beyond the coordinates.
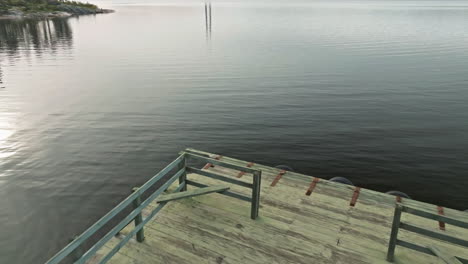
(218, 177)
(422, 249)
(227, 193)
(62, 254)
(444, 255)
(196, 152)
(128, 219)
(414, 247)
(220, 163)
(136, 229)
(434, 216)
(192, 193)
(432, 234)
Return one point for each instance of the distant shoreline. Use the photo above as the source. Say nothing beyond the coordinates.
(55, 14)
(48, 9)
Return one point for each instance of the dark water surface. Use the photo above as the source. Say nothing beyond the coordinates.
(89, 107)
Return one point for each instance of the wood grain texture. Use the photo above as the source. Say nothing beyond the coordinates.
(192, 193)
(292, 227)
(449, 259)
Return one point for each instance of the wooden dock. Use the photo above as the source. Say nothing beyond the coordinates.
(301, 219)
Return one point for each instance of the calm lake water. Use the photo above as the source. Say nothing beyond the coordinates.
(89, 107)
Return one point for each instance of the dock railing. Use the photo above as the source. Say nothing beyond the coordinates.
(255, 185)
(181, 169)
(428, 249)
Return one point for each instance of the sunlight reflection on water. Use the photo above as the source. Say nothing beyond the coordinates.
(7, 129)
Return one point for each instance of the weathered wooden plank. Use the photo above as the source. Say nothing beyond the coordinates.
(422, 240)
(339, 191)
(218, 177)
(162, 247)
(304, 231)
(394, 233)
(367, 228)
(318, 222)
(447, 258)
(305, 228)
(222, 163)
(288, 200)
(433, 234)
(281, 242)
(435, 216)
(448, 212)
(369, 218)
(137, 228)
(106, 218)
(272, 172)
(266, 232)
(375, 209)
(426, 250)
(192, 193)
(386, 198)
(118, 258)
(215, 241)
(433, 225)
(227, 193)
(127, 219)
(291, 228)
(130, 235)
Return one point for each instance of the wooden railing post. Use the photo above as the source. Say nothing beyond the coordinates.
(257, 179)
(183, 177)
(394, 233)
(140, 235)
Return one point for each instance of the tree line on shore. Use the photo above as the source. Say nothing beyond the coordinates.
(31, 6)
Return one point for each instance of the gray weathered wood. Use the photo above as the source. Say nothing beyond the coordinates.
(183, 177)
(425, 250)
(221, 163)
(78, 252)
(435, 216)
(140, 235)
(135, 230)
(227, 193)
(57, 258)
(127, 219)
(447, 258)
(192, 193)
(414, 247)
(257, 179)
(394, 233)
(433, 234)
(294, 228)
(218, 177)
